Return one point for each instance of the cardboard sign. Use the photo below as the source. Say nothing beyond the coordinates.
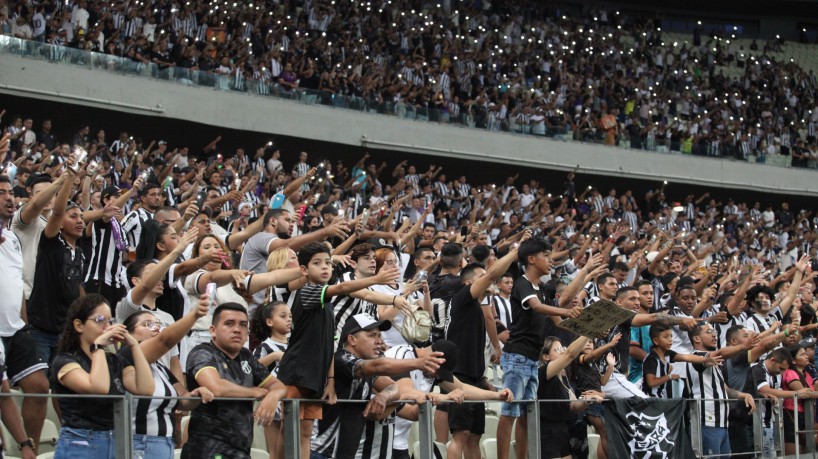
(597, 319)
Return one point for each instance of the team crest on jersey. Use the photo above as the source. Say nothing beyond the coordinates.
(245, 366)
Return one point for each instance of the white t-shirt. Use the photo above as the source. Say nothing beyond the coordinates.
(11, 285)
(401, 436)
(29, 236)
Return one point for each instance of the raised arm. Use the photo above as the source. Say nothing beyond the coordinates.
(562, 362)
(154, 348)
(52, 228)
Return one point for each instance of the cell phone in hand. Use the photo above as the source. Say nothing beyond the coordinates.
(200, 198)
(211, 293)
(464, 231)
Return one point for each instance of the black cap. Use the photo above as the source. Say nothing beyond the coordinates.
(361, 322)
(107, 192)
(449, 350)
(807, 342)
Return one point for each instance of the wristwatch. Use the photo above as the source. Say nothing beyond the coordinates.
(96, 347)
(28, 442)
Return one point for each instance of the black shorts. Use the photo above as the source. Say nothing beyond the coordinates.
(469, 417)
(21, 356)
(555, 439)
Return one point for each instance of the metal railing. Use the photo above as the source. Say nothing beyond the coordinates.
(123, 431)
(475, 116)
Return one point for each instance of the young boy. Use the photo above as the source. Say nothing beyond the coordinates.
(306, 368)
(657, 368)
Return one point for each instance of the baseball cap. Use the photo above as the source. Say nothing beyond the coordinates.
(807, 342)
(362, 322)
(449, 350)
(109, 191)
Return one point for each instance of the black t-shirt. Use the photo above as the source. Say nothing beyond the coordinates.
(555, 388)
(88, 413)
(57, 275)
(309, 355)
(527, 326)
(467, 329)
(622, 349)
(585, 375)
(172, 299)
(444, 286)
(230, 422)
(757, 377)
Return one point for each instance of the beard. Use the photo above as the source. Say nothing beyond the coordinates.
(283, 234)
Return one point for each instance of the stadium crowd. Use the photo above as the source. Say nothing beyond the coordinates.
(526, 67)
(219, 274)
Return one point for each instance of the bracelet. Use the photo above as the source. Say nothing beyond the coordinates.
(330, 377)
(786, 333)
(393, 299)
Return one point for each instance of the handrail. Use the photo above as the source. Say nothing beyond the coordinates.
(123, 412)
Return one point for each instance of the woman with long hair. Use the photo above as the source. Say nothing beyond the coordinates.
(556, 418)
(283, 258)
(800, 381)
(154, 418)
(233, 285)
(82, 366)
(415, 291)
(157, 242)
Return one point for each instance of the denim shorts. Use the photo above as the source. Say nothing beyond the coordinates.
(519, 375)
(85, 444)
(153, 447)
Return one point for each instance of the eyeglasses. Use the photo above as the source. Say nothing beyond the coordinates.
(102, 319)
(151, 325)
(560, 349)
(709, 332)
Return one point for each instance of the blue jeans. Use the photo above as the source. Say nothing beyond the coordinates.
(150, 446)
(85, 444)
(715, 442)
(314, 455)
(45, 342)
(520, 375)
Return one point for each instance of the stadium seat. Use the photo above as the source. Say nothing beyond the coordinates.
(49, 455)
(414, 434)
(488, 448)
(259, 441)
(491, 427)
(48, 437)
(513, 450)
(177, 453)
(440, 447)
(256, 453)
(593, 441)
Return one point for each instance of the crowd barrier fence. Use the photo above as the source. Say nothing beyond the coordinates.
(123, 425)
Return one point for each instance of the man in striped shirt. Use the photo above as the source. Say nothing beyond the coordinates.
(709, 385)
(150, 196)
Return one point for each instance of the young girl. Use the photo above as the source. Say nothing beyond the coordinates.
(271, 322)
(585, 376)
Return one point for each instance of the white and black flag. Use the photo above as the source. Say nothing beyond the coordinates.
(647, 429)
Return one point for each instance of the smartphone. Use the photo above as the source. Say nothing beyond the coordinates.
(422, 276)
(200, 199)
(277, 201)
(428, 201)
(211, 293)
(464, 231)
(365, 217)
